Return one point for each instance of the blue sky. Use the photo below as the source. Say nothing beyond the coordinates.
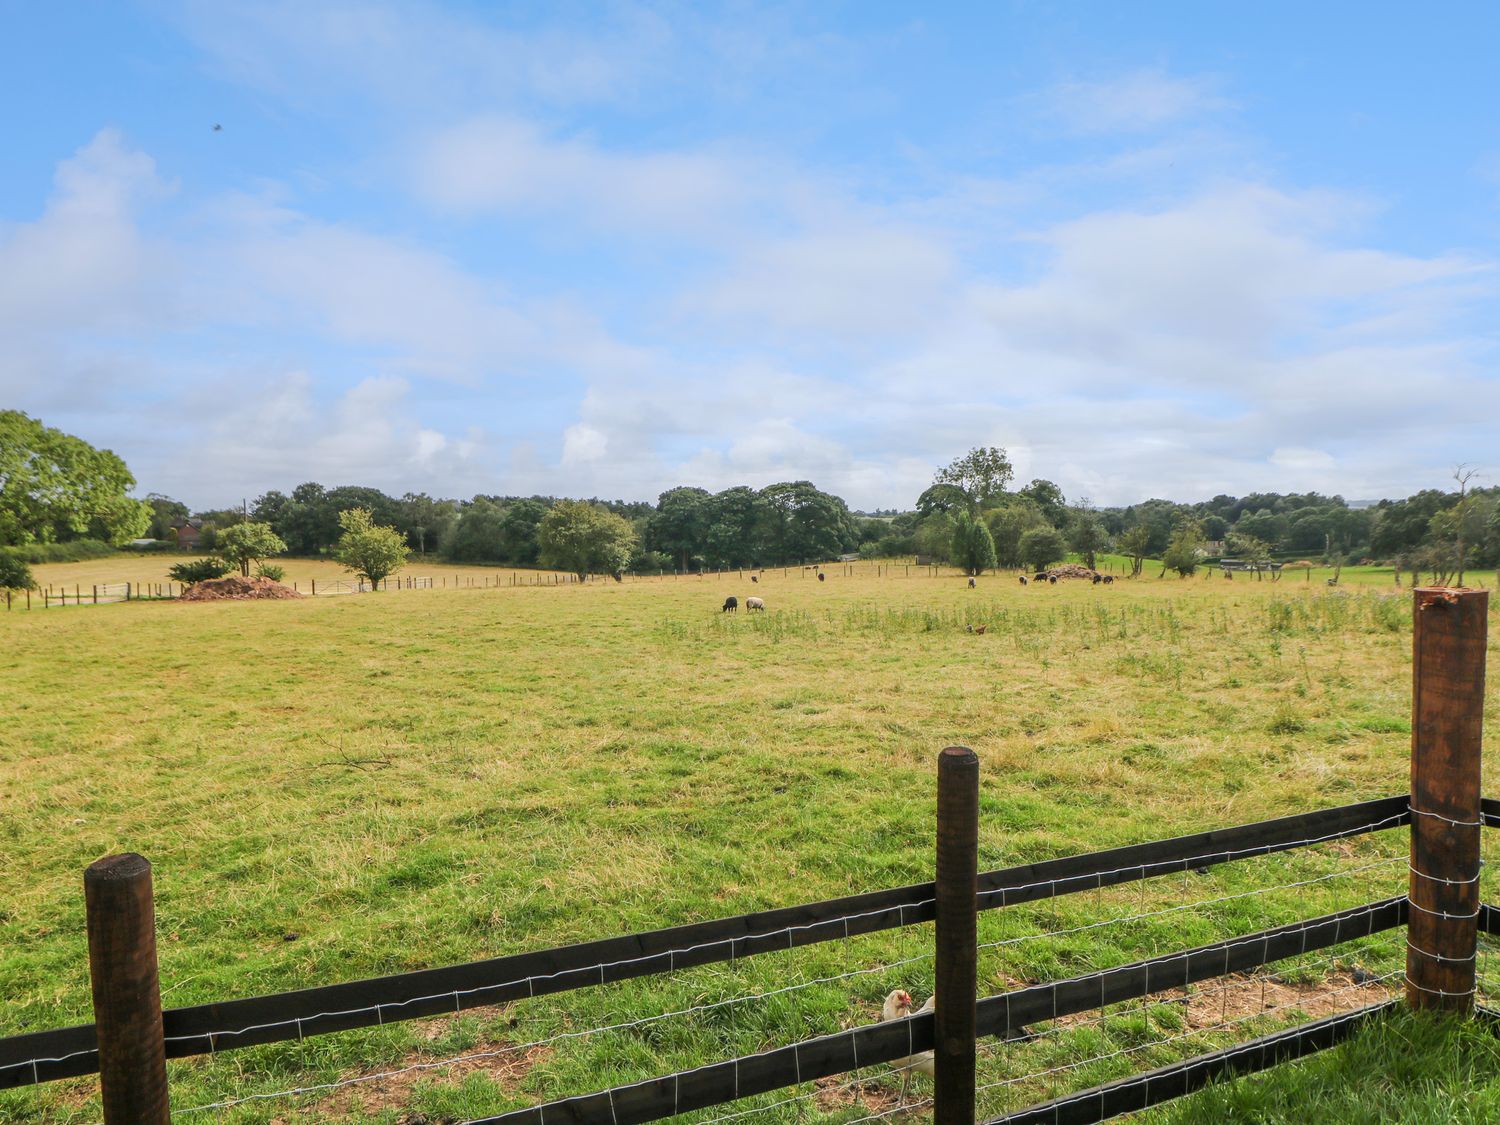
(1170, 249)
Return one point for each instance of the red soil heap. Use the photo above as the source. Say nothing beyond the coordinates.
(236, 589)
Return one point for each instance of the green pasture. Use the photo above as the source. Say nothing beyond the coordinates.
(344, 787)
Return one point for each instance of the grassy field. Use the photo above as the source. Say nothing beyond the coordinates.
(342, 787)
(140, 569)
(152, 568)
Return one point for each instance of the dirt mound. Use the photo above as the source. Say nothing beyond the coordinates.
(1070, 570)
(236, 589)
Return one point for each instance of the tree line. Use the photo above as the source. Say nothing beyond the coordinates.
(57, 489)
(686, 529)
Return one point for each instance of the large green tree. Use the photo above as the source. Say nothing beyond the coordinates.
(1043, 546)
(368, 549)
(166, 513)
(1086, 535)
(584, 538)
(476, 536)
(805, 524)
(982, 474)
(54, 485)
(245, 543)
(973, 549)
(1049, 500)
(739, 521)
(14, 573)
(518, 531)
(1184, 550)
(679, 526)
(423, 520)
(1136, 543)
(1007, 523)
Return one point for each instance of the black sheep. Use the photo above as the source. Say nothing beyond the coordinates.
(731, 605)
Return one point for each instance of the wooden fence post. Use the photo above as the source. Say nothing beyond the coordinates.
(1448, 647)
(127, 994)
(956, 935)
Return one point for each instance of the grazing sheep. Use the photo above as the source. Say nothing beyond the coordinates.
(754, 578)
(1040, 576)
(1024, 581)
(1109, 579)
(732, 604)
(821, 576)
(1098, 578)
(752, 604)
(972, 583)
(1052, 579)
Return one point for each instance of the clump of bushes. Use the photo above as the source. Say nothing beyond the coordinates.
(270, 570)
(200, 570)
(75, 550)
(14, 573)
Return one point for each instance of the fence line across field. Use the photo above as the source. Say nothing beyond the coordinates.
(205, 1028)
(62, 594)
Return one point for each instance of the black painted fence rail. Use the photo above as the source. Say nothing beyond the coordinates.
(280, 1017)
(1155, 1087)
(1002, 1015)
(1489, 812)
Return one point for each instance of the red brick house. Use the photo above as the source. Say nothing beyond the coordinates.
(188, 533)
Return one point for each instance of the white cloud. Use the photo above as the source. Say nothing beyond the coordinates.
(1134, 102)
(407, 55)
(263, 430)
(854, 283)
(1216, 285)
(83, 265)
(363, 289)
(503, 163)
(583, 445)
(1302, 460)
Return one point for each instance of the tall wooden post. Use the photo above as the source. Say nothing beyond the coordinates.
(956, 935)
(127, 996)
(1448, 646)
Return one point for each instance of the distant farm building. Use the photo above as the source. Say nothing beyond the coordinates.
(188, 533)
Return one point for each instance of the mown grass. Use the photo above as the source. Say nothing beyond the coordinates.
(337, 788)
(139, 569)
(1418, 1071)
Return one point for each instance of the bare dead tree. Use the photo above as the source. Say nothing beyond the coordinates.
(1463, 473)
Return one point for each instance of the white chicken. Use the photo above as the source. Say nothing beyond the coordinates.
(897, 1006)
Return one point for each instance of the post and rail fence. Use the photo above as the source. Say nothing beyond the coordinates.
(131, 1037)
